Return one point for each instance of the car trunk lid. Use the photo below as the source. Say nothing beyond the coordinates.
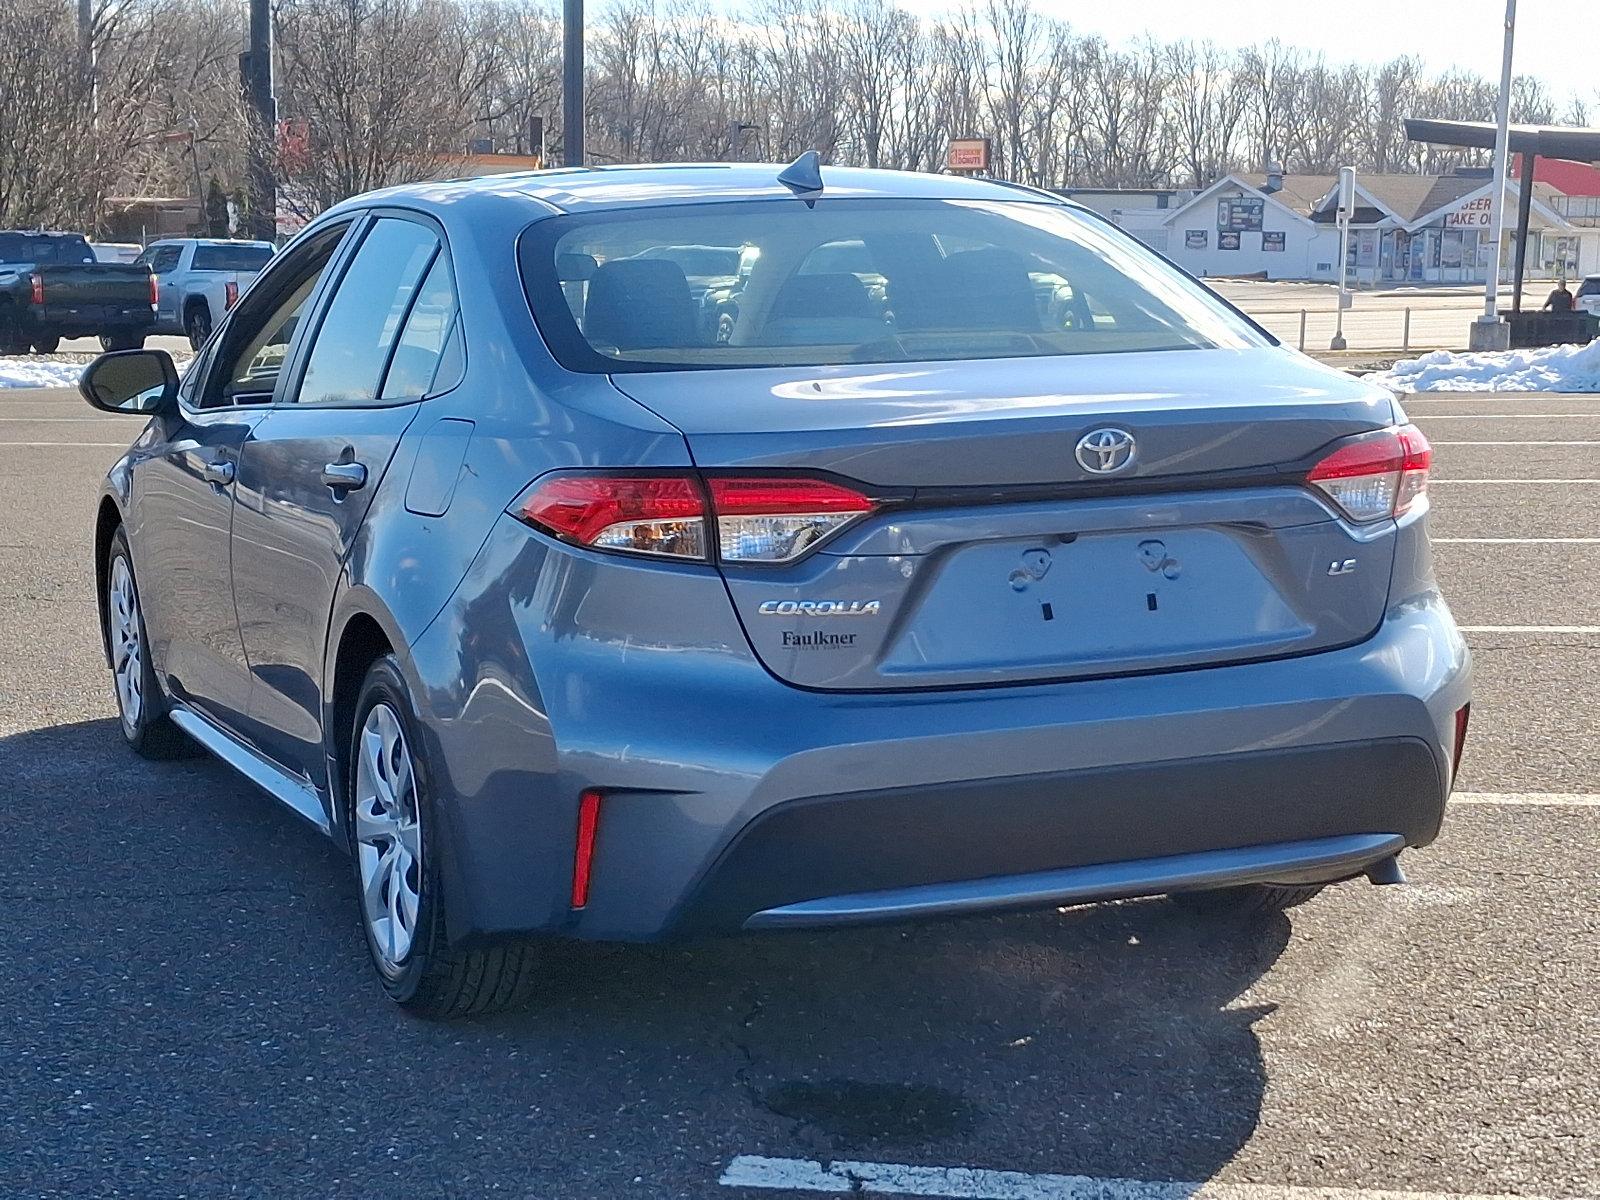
(998, 557)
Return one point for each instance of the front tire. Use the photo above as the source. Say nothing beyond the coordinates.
(141, 709)
(1254, 900)
(46, 345)
(12, 339)
(399, 891)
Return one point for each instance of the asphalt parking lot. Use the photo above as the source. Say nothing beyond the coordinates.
(185, 1009)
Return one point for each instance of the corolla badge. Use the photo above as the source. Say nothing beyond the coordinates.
(820, 608)
(1106, 451)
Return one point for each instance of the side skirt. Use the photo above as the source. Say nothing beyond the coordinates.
(295, 795)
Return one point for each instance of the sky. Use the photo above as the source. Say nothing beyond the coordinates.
(1443, 33)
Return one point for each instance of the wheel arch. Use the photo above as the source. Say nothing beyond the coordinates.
(361, 632)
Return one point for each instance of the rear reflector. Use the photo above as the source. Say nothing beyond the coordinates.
(230, 293)
(583, 858)
(1375, 475)
(758, 520)
(1463, 715)
(155, 294)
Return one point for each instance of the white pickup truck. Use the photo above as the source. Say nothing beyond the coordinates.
(199, 279)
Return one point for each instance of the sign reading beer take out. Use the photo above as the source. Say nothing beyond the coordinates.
(968, 154)
(1475, 213)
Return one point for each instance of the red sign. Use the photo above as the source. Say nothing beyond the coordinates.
(968, 154)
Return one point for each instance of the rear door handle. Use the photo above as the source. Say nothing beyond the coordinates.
(345, 477)
(218, 471)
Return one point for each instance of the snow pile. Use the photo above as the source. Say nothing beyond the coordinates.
(37, 373)
(1548, 369)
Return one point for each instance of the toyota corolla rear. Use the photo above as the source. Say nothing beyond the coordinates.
(987, 595)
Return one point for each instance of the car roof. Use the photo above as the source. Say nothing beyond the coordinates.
(589, 189)
(185, 241)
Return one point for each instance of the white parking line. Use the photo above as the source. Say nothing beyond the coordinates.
(1532, 799)
(103, 445)
(1436, 482)
(972, 1183)
(1511, 541)
(1529, 628)
(1437, 442)
(1561, 416)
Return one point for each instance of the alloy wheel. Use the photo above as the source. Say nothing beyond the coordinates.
(127, 643)
(388, 832)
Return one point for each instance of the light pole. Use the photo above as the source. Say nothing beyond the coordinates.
(1488, 332)
(1347, 207)
(572, 82)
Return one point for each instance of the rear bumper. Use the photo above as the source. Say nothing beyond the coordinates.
(734, 801)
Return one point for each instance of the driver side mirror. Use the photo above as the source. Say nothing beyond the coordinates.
(131, 382)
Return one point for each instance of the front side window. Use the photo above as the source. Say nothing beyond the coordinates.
(859, 281)
(351, 350)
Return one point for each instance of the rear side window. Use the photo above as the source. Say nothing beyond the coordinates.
(422, 341)
(44, 248)
(163, 258)
(231, 258)
(1590, 286)
(857, 281)
(369, 307)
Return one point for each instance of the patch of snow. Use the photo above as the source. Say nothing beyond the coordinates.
(35, 373)
(1547, 369)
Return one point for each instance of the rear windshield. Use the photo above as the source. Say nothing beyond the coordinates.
(856, 281)
(231, 258)
(44, 248)
(1590, 286)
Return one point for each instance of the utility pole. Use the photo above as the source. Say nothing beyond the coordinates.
(1488, 331)
(256, 67)
(86, 64)
(572, 81)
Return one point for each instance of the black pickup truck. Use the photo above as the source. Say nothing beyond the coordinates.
(51, 288)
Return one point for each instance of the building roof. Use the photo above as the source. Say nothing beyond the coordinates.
(1564, 176)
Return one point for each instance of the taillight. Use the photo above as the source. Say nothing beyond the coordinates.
(775, 520)
(643, 514)
(1375, 475)
(755, 519)
(36, 289)
(155, 294)
(230, 293)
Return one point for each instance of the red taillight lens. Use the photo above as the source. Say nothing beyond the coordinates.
(1375, 475)
(642, 514)
(230, 293)
(583, 854)
(756, 519)
(36, 289)
(155, 293)
(776, 520)
(1463, 715)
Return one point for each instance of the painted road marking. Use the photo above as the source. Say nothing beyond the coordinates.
(110, 445)
(1435, 482)
(1550, 443)
(1529, 628)
(1511, 541)
(1532, 799)
(1561, 416)
(972, 1183)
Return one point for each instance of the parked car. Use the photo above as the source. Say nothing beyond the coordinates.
(567, 620)
(199, 279)
(1587, 297)
(116, 252)
(52, 287)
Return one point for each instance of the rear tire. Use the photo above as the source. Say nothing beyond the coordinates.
(1254, 900)
(141, 709)
(46, 345)
(121, 341)
(399, 890)
(12, 339)
(197, 324)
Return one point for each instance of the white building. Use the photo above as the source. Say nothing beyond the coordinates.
(1406, 228)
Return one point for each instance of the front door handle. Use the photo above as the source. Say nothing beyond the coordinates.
(218, 471)
(345, 477)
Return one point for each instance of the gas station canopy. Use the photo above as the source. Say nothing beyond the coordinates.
(1541, 141)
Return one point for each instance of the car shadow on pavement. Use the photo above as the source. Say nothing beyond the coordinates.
(1109, 1041)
